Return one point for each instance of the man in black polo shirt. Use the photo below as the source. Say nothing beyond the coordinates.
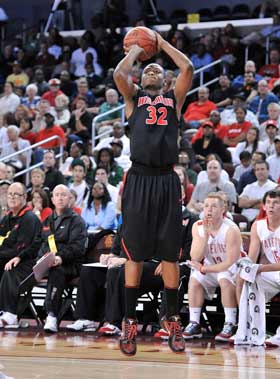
(151, 205)
(20, 241)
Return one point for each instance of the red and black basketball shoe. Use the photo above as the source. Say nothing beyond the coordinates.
(128, 344)
(176, 341)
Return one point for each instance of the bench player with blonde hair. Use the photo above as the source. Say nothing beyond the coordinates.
(216, 243)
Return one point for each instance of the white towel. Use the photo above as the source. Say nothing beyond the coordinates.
(251, 321)
(247, 269)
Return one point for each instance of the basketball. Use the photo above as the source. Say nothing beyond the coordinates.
(143, 37)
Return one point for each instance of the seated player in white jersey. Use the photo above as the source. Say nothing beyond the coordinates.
(265, 247)
(216, 243)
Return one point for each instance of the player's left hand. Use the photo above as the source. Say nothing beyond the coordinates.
(160, 41)
(195, 265)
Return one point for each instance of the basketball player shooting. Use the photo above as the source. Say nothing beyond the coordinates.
(151, 207)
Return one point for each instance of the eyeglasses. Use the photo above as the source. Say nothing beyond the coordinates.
(15, 195)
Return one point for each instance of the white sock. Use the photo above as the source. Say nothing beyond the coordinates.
(195, 314)
(230, 315)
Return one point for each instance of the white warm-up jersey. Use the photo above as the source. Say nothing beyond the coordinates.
(216, 248)
(270, 240)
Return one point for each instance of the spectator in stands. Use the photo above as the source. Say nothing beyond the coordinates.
(62, 113)
(274, 161)
(3, 133)
(44, 58)
(84, 92)
(245, 164)
(122, 160)
(21, 112)
(76, 150)
(249, 176)
(119, 133)
(216, 243)
(78, 59)
(18, 77)
(222, 95)
(101, 176)
(31, 98)
(251, 144)
(112, 101)
(94, 81)
(80, 123)
(209, 143)
(100, 212)
(3, 171)
(274, 114)
(213, 184)
(90, 166)
(228, 115)
(69, 235)
(235, 133)
(67, 86)
(215, 118)
(201, 58)
(37, 178)
(10, 173)
(25, 132)
(105, 158)
(187, 187)
(250, 66)
(4, 185)
(259, 103)
(42, 108)
(271, 130)
(20, 231)
(54, 91)
(50, 130)
(9, 101)
(199, 111)
(203, 176)
(170, 78)
(184, 161)
(79, 185)
(39, 81)
(249, 88)
(271, 70)
(72, 202)
(16, 144)
(40, 204)
(250, 199)
(53, 176)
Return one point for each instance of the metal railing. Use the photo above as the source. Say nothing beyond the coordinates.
(199, 71)
(95, 137)
(30, 148)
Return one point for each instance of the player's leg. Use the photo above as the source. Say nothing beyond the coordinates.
(133, 272)
(196, 295)
(229, 302)
(171, 321)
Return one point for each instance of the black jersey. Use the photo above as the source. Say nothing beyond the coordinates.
(154, 125)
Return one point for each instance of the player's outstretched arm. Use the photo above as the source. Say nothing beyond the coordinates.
(184, 79)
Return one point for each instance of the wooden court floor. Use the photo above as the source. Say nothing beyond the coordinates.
(30, 354)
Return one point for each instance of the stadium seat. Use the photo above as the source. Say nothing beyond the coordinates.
(222, 12)
(178, 16)
(205, 14)
(240, 11)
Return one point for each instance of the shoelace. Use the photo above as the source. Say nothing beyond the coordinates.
(175, 327)
(130, 331)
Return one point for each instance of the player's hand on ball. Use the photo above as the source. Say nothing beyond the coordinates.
(135, 48)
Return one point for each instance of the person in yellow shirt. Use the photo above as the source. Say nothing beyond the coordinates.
(18, 77)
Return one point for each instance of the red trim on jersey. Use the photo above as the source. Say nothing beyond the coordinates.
(126, 250)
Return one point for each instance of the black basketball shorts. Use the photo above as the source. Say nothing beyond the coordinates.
(152, 214)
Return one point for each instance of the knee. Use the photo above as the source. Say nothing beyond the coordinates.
(194, 286)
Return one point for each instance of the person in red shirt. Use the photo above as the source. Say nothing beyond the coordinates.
(54, 91)
(234, 133)
(40, 204)
(271, 70)
(199, 111)
(25, 132)
(49, 131)
(215, 118)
